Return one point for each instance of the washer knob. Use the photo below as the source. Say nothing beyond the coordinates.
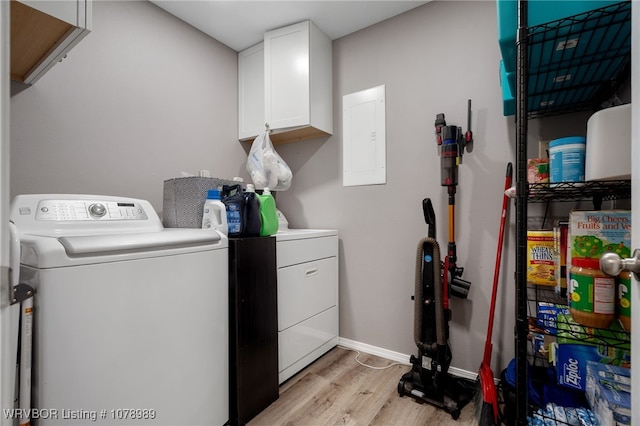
(97, 210)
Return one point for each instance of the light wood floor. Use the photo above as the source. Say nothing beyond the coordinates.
(336, 390)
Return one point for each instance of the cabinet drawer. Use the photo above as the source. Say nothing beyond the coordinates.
(305, 290)
(304, 250)
(302, 339)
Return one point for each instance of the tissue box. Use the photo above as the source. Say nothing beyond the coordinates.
(183, 200)
(608, 393)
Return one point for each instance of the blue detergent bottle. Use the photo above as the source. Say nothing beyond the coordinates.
(234, 205)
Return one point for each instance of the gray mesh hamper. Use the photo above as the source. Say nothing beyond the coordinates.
(183, 200)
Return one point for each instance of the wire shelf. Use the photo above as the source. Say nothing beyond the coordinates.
(550, 324)
(605, 190)
(549, 315)
(575, 63)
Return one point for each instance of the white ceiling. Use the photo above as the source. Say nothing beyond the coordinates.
(242, 23)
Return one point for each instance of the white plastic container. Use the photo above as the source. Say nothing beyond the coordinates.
(609, 144)
(566, 159)
(214, 213)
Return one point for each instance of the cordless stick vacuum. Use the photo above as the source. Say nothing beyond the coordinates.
(452, 143)
(429, 380)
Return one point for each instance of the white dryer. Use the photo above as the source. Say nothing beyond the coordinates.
(308, 312)
(130, 319)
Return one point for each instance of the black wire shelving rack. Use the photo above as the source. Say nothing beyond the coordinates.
(554, 76)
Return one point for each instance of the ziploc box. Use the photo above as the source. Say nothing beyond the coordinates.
(608, 392)
(577, 345)
(547, 315)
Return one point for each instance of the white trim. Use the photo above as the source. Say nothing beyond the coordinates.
(374, 350)
(397, 356)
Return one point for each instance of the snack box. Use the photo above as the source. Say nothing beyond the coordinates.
(538, 170)
(540, 258)
(593, 233)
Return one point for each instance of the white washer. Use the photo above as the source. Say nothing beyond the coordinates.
(130, 319)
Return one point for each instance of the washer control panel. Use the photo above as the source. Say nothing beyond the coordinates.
(75, 210)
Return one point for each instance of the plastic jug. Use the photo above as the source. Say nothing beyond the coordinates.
(252, 221)
(268, 214)
(214, 213)
(234, 205)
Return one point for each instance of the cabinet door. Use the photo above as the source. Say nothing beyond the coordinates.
(635, 206)
(287, 76)
(45, 31)
(72, 12)
(251, 116)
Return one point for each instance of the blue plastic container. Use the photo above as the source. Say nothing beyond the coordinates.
(508, 100)
(566, 159)
(541, 12)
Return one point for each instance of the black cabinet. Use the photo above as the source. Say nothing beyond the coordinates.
(253, 327)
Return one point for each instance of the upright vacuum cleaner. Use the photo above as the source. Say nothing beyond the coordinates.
(429, 380)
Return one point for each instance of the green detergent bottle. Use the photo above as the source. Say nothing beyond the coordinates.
(268, 213)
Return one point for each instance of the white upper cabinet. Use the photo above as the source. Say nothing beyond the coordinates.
(296, 85)
(251, 92)
(43, 32)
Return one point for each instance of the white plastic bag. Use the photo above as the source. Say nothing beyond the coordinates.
(266, 168)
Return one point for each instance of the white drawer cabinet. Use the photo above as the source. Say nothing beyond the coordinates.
(307, 299)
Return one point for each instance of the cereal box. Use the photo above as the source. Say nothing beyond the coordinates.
(540, 258)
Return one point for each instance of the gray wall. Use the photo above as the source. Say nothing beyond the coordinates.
(146, 96)
(431, 59)
(143, 97)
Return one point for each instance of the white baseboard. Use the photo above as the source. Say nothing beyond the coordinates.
(397, 356)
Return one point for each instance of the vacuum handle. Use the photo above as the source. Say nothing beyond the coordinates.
(429, 217)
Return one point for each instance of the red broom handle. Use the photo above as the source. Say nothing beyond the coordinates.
(496, 272)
